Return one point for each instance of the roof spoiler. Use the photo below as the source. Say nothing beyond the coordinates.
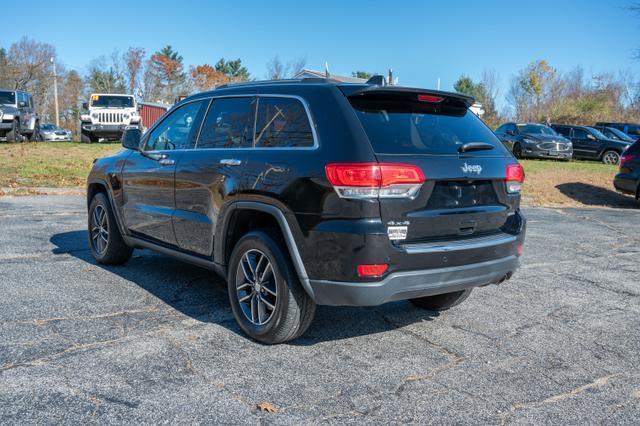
(408, 94)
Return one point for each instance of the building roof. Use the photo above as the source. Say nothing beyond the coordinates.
(307, 73)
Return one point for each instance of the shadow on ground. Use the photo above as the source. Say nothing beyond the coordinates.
(200, 294)
(591, 195)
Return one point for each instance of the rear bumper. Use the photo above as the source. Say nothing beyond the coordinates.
(625, 183)
(409, 285)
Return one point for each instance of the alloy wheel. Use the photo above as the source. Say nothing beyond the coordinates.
(99, 230)
(611, 157)
(256, 287)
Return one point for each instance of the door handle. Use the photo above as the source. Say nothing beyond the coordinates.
(230, 162)
(166, 162)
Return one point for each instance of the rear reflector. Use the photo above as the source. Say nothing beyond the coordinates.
(375, 270)
(430, 98)
(375, 180)
(515, 178)
(626, 158)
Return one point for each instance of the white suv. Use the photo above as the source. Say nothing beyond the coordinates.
(107, 116)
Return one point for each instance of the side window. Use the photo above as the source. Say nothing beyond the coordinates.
(282, 123)
(564, 131)
(501, 130)
(229, 124)
(178, 130)
(634, 130)
(579, 133)
(30, 102)
(21, 98)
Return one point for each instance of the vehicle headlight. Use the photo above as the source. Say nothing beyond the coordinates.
(527, 140)
(95, 115)
(126, 116)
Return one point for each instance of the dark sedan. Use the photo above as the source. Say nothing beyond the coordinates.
(613, 133)
(590, 144)
(535, 141)
(627, 180)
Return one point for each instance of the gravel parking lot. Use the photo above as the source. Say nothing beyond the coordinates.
(155, 341)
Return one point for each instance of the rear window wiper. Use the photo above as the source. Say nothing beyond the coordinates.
(475, 146)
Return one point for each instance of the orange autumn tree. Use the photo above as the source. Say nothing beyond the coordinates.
(206, 77)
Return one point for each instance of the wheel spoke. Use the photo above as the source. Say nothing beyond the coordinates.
(262, 312)
(266, 302)
(268, 290)
(257, 271)
(245, 298)
(253, 309)
(247, 274)
(267, 269)
(245, 285)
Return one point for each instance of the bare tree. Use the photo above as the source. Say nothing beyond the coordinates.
(134, 59)
(277, 70)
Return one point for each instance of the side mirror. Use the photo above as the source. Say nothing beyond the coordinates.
(131, 137)
(22, 104)
(590, 136)
(85, 105)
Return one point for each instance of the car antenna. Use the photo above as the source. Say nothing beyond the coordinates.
(326, 71)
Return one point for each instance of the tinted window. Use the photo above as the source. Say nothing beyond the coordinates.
(502, 129)
(564, 131)
(634, 130)
(178, 129)
(409, 128)
(579, 133)
(634, 148)
(282, 123)
(229, 124)
(111, 101)
(7, 98)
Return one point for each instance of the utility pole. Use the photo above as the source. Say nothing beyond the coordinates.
(55, 91)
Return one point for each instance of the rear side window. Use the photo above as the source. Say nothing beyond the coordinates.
(282, 123)
(410, 128)
(564, 131)
(634, 130)
(229, 124)
(579, 133)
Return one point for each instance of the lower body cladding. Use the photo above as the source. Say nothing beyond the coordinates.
(409, 285)
(626, 183)
(416, 269)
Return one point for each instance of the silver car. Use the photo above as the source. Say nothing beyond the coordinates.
(51, 132)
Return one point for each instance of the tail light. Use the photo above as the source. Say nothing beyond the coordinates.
(515, 178)
(372, 270)
(375, 180)
(625, 159)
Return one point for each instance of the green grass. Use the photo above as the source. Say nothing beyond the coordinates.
(538, 166)
(49, 164)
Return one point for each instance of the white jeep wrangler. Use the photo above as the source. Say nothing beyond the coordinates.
(107, 116)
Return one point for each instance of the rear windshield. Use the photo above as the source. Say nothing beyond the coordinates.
(410, 128)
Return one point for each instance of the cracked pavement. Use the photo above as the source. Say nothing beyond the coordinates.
(155, 341)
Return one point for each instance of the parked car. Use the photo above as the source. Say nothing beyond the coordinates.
(627, 180)
(106, 117)
(316, 192)
(590, 144)
(51, 132)
(535, 141)
(631, 129)
(613, 133)
(18, 116)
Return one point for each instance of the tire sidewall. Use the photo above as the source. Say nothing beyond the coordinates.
(263, 242)
(609, 152)
(100, 200)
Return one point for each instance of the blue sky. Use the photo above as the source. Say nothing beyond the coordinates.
(420, 40)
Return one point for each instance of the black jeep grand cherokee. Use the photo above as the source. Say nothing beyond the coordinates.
(310, 192)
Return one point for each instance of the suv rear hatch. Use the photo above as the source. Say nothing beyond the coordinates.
(464, 194)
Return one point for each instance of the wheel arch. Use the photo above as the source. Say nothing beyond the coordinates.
(96, 186)
(233, 227)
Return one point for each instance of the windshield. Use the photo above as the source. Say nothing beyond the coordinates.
(536, 129)
(7, 98)
(406, 129)
(110, 101)
(617, 134)
(48, 127)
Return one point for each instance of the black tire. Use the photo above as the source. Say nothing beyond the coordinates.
(611, 156)
(442, 302)
(111, 250)
(14, 135)
(517, 150)
(35, 135)
(293, 309)
(85, 137)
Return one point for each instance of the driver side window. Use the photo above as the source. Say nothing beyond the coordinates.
(178, 129)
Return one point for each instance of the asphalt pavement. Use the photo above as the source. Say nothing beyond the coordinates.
(154, 341)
